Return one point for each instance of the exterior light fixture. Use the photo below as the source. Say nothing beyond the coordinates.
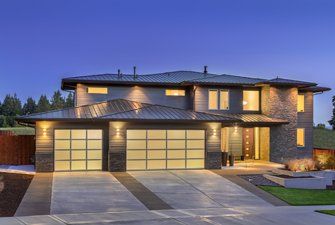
(44, 132)
(117, 131)
(245, 103)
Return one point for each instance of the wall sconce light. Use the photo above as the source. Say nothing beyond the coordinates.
(117, 131)
(214, 132)
(44, 132)
(235, 129)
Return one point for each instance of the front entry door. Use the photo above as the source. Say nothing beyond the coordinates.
(248, 145)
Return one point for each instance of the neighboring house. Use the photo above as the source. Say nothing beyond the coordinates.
(174, 120)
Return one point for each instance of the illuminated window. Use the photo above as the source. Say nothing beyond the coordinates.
(224, 99)
(300, 137)
(301, 103)
(171, 92)
(213, 99)
(97, 90)
(251, 100)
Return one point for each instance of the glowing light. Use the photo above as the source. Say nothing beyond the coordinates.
(245, 103)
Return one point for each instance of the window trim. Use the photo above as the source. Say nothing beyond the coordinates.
(228, 100)
(259, 101)
(183, 95)
(217, 99)
(304, 138)
(303, 103)
(97, 87)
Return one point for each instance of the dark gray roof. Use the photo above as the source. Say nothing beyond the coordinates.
(121, 109)
(287, 82)
(167, 78)
(315, 89)
(257, 119)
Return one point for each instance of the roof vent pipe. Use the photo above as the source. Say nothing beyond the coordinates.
(205, 70)
(119, 73)
(135, 75)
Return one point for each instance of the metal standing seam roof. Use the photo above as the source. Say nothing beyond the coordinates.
(287, 82)
(257, 118)
(121, 109)
(167, 78)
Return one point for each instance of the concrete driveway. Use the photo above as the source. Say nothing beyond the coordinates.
(191, 189)
(81, 192)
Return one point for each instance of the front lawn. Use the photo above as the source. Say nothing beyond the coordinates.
(328, 212)
(20, 130)
(302, 196)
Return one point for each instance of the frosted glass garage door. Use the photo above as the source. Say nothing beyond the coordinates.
(77, 149)
(165, 149)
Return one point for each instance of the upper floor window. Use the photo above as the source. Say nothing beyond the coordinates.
(213, 99)
(224, 99)
(174, 92)
(97, 90)
(301, 137)
(218, 99)
(251, 100)
(301, 103)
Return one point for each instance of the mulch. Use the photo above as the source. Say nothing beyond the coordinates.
(12, 189)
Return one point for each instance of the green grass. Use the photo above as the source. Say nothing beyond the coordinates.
(324, 138)
(20, 130)
(328, 212)
(302, 196)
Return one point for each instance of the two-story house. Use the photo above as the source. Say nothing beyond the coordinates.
(174, 120)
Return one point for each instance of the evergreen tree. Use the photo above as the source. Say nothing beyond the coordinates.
(29, 107)
(43, 104)
(69, 102)
(57, 101)
(332, 121)
(11, 106)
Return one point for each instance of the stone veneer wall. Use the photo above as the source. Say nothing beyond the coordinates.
(281, 102)
(117, 141)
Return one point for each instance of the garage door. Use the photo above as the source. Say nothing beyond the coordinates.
(165, 149)
(78, 149)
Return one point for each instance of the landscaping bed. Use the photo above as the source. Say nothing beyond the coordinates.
(13, 186)
(328, 212)
(300, 197)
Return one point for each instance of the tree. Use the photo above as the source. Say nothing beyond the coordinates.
(332, 121)
(321, 126)
(43, 104)
(69, 102)
(11, 106)
(29, 107)
(57, 101)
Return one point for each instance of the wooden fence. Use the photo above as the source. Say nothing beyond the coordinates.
(17, 150)
(319, 151)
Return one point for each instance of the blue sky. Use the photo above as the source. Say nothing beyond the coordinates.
(43, 41)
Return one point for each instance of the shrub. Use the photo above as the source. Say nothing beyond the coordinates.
(300, 165)
(330, 164)
(326, 161)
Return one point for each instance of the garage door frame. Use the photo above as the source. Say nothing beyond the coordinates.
(86, 148)
(167, 150)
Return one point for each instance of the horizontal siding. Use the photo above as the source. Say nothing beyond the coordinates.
(152, 95)
(305, 120)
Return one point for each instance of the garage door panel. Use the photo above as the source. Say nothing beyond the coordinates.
(136, 165)
(136, 154)
(165, 149)
(156, 154)
(136, 144)
(156, 144)
(176, 164)
(74, 150)
(156, 164)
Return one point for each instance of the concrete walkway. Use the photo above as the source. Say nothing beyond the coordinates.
(229, 216)
(81, 192)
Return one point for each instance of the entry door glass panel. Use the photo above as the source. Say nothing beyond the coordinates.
(165, 149)
(78, 149)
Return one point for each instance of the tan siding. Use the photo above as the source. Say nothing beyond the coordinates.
(305, 120)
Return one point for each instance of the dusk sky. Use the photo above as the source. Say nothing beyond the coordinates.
(44, 41)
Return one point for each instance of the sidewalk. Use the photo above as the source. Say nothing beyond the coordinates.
(303, 215)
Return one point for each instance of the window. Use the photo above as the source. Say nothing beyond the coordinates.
(301, 103)
(300, 137)
(97, 90)
(251, 100)
(224, 99)
(171, 92)
(213, 99)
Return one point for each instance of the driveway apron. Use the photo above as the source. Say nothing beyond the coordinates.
(80, 192)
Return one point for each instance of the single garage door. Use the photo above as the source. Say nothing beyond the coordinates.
(78, 149)
(165, 149)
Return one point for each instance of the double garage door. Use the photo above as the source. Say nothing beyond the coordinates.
(77, 149)
(165, 149)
